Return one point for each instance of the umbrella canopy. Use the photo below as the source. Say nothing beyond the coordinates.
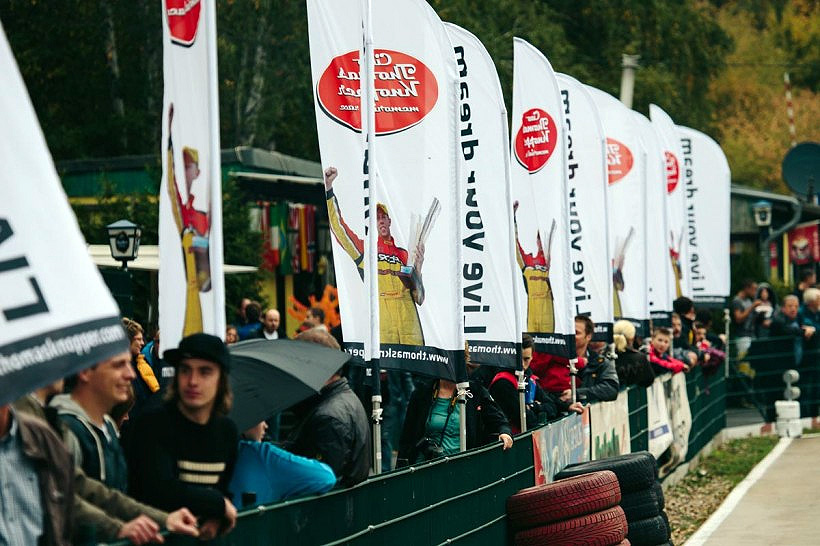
(268, 376)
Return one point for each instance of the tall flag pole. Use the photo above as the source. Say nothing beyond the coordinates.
(56, 314)
(413, 184)
(492, 323)
(191, 280)
(658, 276)
(707, 179)
(590, 254)
(626, 181)
(539, 178)
(675, 199)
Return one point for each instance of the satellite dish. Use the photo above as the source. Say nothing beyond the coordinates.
(801, 168)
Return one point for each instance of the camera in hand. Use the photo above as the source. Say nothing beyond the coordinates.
(429, 449)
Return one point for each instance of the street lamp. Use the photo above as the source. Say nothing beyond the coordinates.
(762, 212)
(124, 241)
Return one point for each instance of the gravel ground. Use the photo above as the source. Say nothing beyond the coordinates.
(704, 488)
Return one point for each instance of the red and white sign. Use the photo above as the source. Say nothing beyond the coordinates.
(535, 139)
(406, 91)
(540, 186)
(619, 160)
(183, 20)
(191, 280)
(804, 244)
(626, 163)
(672, 171)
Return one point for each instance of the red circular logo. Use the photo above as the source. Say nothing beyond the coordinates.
(619, 160)
(535, 140)
(672, 172)
(406, 91)
(183, 20)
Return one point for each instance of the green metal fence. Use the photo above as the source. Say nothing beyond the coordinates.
(707, 402)
(755, 374)
(455, 500)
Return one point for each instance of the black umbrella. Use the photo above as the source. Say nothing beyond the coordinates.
(268, 376)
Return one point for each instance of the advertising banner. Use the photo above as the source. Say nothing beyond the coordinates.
(680, 417)
(804, 244)
(626, 181)
(660, 431)
(659, 275)
(588, 209)
(675, 200)
(491, 320)
(558, 445)
(707, 182)
(415, 172)
(191, 280)
(56, 314)
(540, 193)
(609, 423)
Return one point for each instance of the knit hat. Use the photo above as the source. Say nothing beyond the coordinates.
(204, 346)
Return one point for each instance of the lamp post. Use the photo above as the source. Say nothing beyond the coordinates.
(762, 212)
(124, 241)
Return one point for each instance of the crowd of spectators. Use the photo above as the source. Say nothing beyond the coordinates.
(140, 442)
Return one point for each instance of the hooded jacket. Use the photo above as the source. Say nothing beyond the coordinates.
(100, 454)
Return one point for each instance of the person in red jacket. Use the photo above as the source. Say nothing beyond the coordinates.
(658, 356)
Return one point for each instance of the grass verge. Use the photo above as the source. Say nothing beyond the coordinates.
(704, 488)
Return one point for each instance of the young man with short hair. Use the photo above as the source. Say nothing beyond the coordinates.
(92, 393)
(184, 453)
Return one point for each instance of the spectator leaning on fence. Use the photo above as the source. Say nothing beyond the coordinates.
(540, 405)
(183, 454)
(632, 365)
(92, 393)
(107, 513)
(265, 473)
(785, 322)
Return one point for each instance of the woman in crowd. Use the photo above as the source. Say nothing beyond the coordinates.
(146, 384)
(431, 426)
(632, 365)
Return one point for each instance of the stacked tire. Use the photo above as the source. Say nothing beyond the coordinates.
(641, 494)
(579, 510)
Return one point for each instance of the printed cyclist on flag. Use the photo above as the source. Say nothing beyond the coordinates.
(536, 271)
(194, 229)
(401, 287)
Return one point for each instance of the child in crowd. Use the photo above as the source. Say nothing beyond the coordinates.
(658, 356)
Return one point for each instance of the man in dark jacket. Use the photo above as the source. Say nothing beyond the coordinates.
(599, 378)
(184, 453)
(334, 428)
(38, 482)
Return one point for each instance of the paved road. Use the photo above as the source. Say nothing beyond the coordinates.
(781, 507)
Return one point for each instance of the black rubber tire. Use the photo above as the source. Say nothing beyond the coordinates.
(648, 532)
(598, 529)
(635, 471)
(666, 522)
(564, 499)
(659, 493)
(640, 505)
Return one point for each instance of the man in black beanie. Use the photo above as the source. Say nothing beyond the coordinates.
(183, 454)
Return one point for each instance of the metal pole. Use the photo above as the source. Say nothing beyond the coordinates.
(462, 393)
(629, 63)
(373, 347)
(573, 372)
(726, 323)
(522, 401)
